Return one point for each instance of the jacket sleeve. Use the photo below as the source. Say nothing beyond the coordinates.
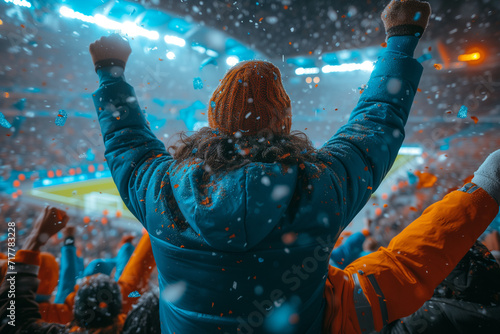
(24, 281)
(59, 313)
(361, 153)
(137, 272)
(67, 274)
(398, 279)
(133, 153)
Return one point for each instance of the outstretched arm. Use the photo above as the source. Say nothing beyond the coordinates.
(394, 282)
(137, 272)
(133, 152)
(362, 151)
(23, 276)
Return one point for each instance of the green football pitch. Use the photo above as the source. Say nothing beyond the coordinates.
(92, 195)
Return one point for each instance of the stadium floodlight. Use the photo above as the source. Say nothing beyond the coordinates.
(22, 3)
(411, 150)
(170, 55)
(132, 29)
(70, 13)
(107, 23)
(232, 60)
(199, 49)
(364, 66)
(212, 53)
(127, 28)
(174, 40)
(309, 70)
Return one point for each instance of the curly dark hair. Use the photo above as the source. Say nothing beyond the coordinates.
(221, 152)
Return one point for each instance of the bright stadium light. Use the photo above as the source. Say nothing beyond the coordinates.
(212, 53)
(310, 70)
(364, 66)
(104, 22)
(411, 150)
(22, 3)
(170, 55)
(199, 49)
(70, 13)
(232, 60)
(174, 40)
(132, 29)
(127, 28)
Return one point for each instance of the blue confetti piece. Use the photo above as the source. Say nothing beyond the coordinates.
(417, 34)
(462, 113)
(3, 122)
(212, 104)
(61, 118)
(417, 16)
(261, 260)
(197, 83)
(424, 57)
(134, 294)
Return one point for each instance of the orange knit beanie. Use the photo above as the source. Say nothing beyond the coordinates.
(251, 97)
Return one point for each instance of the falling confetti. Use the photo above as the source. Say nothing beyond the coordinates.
(61, 118)
(417, 16)
(3, 122)
(462, 113)
(134, 294)
(475, 119)
(197, 83)
(438, 67)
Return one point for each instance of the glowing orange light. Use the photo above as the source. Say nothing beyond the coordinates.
(1, 22)
(470, 56)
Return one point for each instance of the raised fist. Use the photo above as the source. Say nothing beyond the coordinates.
(488, 175)
(406, 17)
(111, 50)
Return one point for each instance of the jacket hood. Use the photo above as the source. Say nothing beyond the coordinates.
(233, 211)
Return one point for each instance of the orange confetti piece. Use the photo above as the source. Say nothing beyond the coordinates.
(176, 186)
(425, 180)
(384, 45)
(438, 67)
(475, 119)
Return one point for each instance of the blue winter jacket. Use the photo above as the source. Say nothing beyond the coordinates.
(254, 258)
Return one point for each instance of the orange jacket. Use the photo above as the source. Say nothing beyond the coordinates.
(135, 277)
(394, 282)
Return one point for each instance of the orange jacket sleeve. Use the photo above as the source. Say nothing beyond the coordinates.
(59, 313)
(398, 279)
(135, 276)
